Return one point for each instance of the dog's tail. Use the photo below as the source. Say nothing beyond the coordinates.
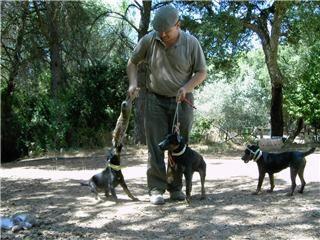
(83, 183)
(309, 152)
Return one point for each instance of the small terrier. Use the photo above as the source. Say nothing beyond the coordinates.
(187, 160)
(109, 179)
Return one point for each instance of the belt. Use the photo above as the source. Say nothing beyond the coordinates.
(161, 96)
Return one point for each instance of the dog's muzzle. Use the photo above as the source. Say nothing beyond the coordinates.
(163, 145)
(245, 158)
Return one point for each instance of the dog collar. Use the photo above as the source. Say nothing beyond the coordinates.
(114, 167)
(179, 153)
(257, 155)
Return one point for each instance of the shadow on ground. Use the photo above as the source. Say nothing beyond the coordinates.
(65, 210)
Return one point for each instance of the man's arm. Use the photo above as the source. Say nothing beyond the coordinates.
(196, 80)
(132, 72)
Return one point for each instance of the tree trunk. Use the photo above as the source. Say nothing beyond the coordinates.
(54, 47)
(276, 112)
(139, 131)
(9, 126)
(49, 26)
(270, 45)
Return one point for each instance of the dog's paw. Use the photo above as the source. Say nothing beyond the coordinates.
(256, 193)
(202, 198)
(135, 199)
(270, 191)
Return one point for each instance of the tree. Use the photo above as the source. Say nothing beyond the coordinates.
(46, 45)
(226, 30)
(12, 44)
(301, 64)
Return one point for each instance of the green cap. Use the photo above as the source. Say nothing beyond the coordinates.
(165, 18)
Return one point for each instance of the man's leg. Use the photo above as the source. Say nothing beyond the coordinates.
(156, 126)
(186, 120)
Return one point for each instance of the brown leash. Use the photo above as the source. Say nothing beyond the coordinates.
(189, 103)
(171, 161)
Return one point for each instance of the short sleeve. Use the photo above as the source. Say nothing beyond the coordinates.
(140, 51)
(198, 56)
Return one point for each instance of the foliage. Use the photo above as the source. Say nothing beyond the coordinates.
(301, 63)
(238, 103)
(201, 128)
(88, 101)
(83, 116)
(302, 92)
(93, 43)
(95, 104)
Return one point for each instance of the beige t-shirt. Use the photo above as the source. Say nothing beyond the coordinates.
(169, 69)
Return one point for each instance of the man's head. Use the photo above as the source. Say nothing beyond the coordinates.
(166, 23)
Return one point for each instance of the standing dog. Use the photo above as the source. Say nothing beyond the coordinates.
(188, 160)
(109, 179)
(275, 162)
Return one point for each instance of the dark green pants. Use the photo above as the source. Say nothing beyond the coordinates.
(159, 114)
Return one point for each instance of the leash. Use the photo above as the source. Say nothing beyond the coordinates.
(176, 129)
(189, 103)
(176, 123)
(171, 161)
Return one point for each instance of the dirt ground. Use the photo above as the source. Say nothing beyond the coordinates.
(49, 189)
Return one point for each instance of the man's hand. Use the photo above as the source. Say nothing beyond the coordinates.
(133, 91)
(197, 78)
(182, 92)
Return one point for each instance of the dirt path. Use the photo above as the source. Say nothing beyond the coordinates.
(49, 189)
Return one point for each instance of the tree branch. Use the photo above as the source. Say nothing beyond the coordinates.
(280, 9)
(160, 4)
(137, 5)
(121, 16)
(6, 49)
(262, 34)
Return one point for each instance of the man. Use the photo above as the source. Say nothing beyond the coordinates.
(176, 65)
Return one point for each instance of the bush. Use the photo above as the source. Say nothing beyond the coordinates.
(94, 105)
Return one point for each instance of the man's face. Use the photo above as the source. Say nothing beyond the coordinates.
(171, 34)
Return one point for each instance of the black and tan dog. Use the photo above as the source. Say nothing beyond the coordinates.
(188, 160)
(275, 162)
(109, 179)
